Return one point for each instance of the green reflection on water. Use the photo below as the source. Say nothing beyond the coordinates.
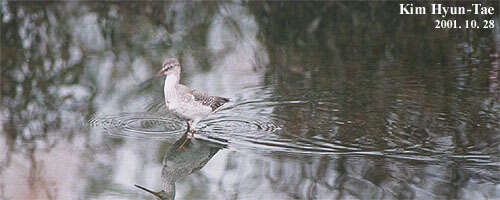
(359, 75)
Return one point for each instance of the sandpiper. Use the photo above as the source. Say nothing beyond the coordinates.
(188, 104)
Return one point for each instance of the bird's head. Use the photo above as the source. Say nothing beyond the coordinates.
(170, 66)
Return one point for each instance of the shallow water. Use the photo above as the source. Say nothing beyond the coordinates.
(353, 103)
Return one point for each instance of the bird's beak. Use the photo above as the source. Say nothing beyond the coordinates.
(160, 74)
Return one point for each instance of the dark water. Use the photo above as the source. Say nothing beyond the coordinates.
(330, 100)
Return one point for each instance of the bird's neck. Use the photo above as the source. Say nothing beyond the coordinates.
(171, 81)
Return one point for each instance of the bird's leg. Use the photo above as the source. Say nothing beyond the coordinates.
(192, 132)
(187, 136)
(187, 127)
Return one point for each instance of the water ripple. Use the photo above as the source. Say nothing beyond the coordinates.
(298, 126)
(140, 125)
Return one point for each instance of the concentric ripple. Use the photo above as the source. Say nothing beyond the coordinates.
(252, 127)
(140, 125)
(306, 123)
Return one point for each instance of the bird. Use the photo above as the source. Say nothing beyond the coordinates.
(188, 104)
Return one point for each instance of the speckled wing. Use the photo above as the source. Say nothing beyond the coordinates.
(213, 101)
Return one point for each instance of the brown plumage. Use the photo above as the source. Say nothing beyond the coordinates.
(213, 101)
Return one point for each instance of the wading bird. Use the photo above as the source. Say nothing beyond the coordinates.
(188, 104)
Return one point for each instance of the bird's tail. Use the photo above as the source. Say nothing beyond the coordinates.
(218, 102)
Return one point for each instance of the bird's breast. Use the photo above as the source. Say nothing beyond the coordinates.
(170, 103)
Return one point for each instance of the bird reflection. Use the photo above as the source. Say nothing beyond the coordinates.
(184, 157)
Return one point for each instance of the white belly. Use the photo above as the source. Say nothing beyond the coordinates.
(195, 112)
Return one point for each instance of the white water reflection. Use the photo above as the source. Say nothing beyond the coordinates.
(315, 115)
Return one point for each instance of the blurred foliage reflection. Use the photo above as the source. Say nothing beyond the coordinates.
(350, 99)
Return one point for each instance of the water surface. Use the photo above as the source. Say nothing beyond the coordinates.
(330, 100)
